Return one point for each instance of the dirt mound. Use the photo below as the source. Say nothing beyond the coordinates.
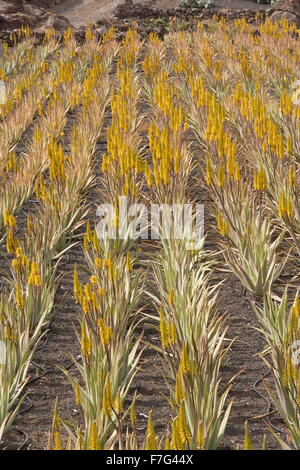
(128, 9)
(45, 3)
(289, 10)
(293, 5)
(16, 13)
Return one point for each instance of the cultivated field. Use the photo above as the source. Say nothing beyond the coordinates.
(163, 353)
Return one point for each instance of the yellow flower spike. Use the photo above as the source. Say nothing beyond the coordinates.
(296, 307)
(260, 180)
(230, 166)
(200, 437)
(179, 388)
(220, 142)
(280, 146)
(163, 330)
(57, 441)
(19, 253)
(223, 224)
(8, 331)
(78, 400)
(292, 177)
(86, 305)
(41, 191)
(168, 443)
(88, 291)
(76, 284)
(93, 280)
(89, 35)
(93, 437)
(96, 243)
(37, 280)
(150, 435)
(86, 244)
(107, 405)
(84, 341)
(186, 124)
(98, 262)
(102, 292)
(176, 442)
(34, 278)
(25, 262)
(171, 297)
(294, 319)
(185, 434)
(56, 419)
(209, 172)
(9, 220)
(247, 440)
(109, 35)
(285, 206)
(16, 265)
(95, 303)
(29, 224)
(289, 207)
(221, 176)
(264, 146)
(132, 414)
(297, 112)
(105, 332)
(118, 404)
(289, 145)
(128, 263)
(184, 361)
(177, 160)
(110, 268)
(11, 164)
(171, 328)
(20, 300)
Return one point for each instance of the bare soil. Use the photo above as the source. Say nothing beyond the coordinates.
(80, 12)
